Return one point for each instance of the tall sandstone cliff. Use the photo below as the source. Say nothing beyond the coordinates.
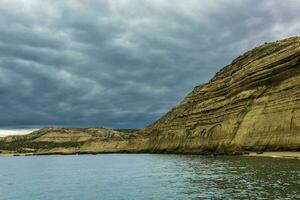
(251, 104)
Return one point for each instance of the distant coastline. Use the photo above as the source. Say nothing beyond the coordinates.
(274, 154)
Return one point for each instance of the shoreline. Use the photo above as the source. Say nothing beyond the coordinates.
(274, 154)
(277, 154)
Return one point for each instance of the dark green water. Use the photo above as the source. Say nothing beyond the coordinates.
(148, 176)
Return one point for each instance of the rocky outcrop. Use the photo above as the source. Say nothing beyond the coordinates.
(251, 104)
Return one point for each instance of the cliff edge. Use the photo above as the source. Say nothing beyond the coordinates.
(251, 104)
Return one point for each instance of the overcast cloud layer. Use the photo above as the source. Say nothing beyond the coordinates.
(122, 63)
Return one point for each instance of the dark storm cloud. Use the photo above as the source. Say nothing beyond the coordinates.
(122, 63)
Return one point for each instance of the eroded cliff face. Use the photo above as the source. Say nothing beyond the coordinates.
(251, 104)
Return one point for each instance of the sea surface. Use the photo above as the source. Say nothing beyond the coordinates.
(148, 176)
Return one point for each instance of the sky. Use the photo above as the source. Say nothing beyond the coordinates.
(122, 63)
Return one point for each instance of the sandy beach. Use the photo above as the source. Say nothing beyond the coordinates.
(279, 154)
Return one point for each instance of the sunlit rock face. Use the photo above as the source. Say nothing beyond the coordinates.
(251, 104)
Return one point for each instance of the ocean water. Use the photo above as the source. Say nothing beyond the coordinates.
(148, 176)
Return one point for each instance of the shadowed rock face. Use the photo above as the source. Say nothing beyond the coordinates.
(251, 104)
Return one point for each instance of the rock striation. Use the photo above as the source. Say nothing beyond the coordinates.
(253, 104)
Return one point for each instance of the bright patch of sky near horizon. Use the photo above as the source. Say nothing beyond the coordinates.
(12, 131)
(124, 63)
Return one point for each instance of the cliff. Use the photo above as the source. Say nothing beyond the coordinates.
(252, 104)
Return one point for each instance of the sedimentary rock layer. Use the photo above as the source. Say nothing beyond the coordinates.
(251, 104)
